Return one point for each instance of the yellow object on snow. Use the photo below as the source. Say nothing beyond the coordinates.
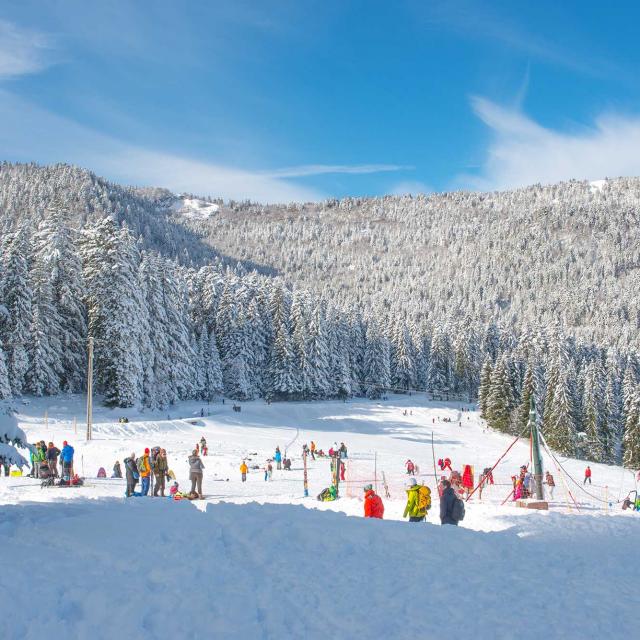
(16, 473)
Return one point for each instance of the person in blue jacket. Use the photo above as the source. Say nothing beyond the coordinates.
(278, 458)
(66, 455)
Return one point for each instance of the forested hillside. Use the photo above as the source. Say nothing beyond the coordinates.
(454, 294)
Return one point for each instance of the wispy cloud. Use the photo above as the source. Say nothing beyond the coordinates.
(523, 152)
(23, 51)
(321, 169)
(28, 132)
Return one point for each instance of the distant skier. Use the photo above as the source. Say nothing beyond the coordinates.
(373, 506)
(411, 468)
(312, 449)
(550, 482)
(243, 471)
(117, 471)
(203, 446)
(278, 458)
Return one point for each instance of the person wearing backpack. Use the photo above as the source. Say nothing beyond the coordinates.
(66, 456)
(144, 468)
(131, 472)
(373, 506)
(160, 471)
(418, 501)
(451, 506)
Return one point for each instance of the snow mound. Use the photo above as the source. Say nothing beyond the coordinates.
(115, 569)
(195, 209)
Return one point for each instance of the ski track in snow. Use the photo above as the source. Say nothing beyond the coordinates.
(251, 561)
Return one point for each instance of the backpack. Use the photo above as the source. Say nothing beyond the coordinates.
(140, 464)
(424, 498)
(457, 510)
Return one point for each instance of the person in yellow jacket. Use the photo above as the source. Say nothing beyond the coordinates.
(413, 509)
(243, 471)
(144, 468)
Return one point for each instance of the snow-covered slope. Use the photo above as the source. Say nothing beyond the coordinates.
(195, 209)
(260, 569)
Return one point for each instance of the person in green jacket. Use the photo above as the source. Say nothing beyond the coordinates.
(413, 510)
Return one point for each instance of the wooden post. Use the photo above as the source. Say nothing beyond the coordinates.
(90, 390)
(75, 425)
(375, 471)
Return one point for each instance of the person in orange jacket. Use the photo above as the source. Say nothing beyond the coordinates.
(144, 467)
(243, 471)
(373, 506)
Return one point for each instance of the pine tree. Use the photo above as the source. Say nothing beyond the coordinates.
(439, 379)
(485, 386)
(631, 442)
(377, 373)
(15, 332)
(403, 358)
(5, 387)
(561, 432)
(500, 400)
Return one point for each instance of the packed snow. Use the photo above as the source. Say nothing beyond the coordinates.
(195, 209)
(251, 561)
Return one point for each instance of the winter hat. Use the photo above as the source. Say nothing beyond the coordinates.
(413, 482)
(146, 450)
(368, 487)
(64, 444)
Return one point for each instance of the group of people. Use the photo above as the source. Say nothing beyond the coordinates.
(151, 465)
(45, 459)
(418, 503)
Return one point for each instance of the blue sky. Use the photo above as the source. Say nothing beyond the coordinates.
(277, 100)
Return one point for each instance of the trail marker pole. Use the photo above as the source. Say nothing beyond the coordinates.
(305, 477)
(90, 391)
(375, 471)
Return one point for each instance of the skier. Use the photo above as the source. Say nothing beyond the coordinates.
(243, 471)
(449, 504)
(418, 501)
(195, 474)
(117, 471)
(144, 468)
(411, 468)
(587, 475)
(373, 506)
(312, 449)
(549, 481)
(160, 471)
(131, 470)
(66, 455)
(52, 458)
(278, 458)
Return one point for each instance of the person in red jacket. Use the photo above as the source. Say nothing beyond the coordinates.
(587, 475)
(373, 507)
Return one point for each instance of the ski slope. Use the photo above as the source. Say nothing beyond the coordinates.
(252, 561)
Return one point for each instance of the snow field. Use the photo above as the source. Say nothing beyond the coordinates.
(251, 562)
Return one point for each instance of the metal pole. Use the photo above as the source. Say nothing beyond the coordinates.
(375, 471)
(306, 484)
(338, 462)
(90, 390)
(537, 460)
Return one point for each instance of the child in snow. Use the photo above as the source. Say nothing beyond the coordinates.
(587, 475)
(173, 490)
(269, 470)
(550, 482)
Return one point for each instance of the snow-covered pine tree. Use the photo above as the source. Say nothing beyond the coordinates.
(114, 300)
(500, 400)
(631, 442)
(403, 365)
(561, 431)
(5, 387)
(377, 368)
(613, 407)
(485, 385)
(15, 331)
(440, 378)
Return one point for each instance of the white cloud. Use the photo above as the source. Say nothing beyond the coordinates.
(30, 133)
(320, 169)
(23, 51)
(522, 152)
